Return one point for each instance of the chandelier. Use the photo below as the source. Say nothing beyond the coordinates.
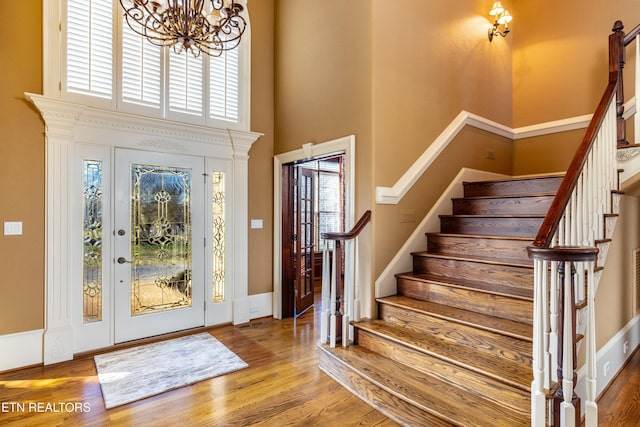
(187, 24)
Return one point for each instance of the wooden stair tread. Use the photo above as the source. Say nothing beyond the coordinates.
(498, 325)
(481, 236)
(429, 393)
(477, 258)
(506, 196)
(514, 374)
(513, 292)
(517, 178)
(527, 216)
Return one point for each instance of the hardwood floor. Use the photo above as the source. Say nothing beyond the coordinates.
(283, 386)
(619, 405)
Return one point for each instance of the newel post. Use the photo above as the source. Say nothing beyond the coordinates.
(617, 59)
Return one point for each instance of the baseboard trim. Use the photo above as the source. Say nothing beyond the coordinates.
(21, 349)
(613, 354)
(261, 305)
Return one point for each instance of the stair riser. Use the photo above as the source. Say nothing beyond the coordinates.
(491, 226)
(509, 394)
(496, 248)
(512, 188)
(495, 305)
(609, 226)
(395, 408)
(518, 277)
(498, 206)
(490, 343)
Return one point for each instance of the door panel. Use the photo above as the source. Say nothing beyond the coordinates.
(159, 250)
(304, 233)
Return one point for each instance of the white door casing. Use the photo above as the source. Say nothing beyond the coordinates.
(69, 126)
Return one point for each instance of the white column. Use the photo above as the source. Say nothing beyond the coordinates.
(58, 343)
(240, 215)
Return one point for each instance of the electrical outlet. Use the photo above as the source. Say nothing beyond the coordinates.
(625, 347)
(607, 368)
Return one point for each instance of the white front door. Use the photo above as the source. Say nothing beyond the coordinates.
(159, 231)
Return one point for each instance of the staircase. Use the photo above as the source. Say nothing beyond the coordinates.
(454, 345)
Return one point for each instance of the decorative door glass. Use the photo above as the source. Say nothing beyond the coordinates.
(218, 237)
(161, 241)
(92, 242)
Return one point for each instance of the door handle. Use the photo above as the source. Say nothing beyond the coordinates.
(122, 260)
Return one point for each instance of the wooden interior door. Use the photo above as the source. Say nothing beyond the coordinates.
(304, 239)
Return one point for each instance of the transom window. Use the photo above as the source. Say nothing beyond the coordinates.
(108, 65)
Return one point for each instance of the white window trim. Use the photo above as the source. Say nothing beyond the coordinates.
(53, 66)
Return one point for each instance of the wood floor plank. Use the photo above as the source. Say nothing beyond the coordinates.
(282, 386)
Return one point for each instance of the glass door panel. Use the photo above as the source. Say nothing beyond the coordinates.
(159, 279)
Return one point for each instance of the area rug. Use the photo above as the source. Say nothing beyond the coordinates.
(139, 372)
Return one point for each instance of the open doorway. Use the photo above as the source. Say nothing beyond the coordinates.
(313, 203)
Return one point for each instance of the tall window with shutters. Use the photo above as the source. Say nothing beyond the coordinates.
(108, 65)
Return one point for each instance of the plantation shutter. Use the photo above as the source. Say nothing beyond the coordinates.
(89, 52)
(141, 71)
(224, 86)
(185, 83)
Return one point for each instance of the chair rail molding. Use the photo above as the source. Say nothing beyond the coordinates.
(393, 195)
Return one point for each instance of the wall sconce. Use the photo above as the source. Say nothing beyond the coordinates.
(501, 17)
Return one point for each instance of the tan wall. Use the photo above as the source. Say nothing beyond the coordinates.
(22, 168)
(545, 154)
(261, 154)
(429, 64)
(323, 86)
(614, 300)
(560, 55)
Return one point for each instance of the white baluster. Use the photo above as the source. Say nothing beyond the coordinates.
(356, 286)
(326, 294)
(332, 319)
(347, 299)
(546, 319)
(538, 399)
(591, 407)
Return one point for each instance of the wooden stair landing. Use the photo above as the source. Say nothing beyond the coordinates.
(453, 346)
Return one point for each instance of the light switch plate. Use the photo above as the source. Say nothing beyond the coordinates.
(13, 228)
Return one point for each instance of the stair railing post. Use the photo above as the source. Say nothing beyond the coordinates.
(343, 299)
(617, 58)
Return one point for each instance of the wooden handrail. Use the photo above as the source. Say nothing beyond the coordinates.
(560, 201)
(355, 231)
(629, 37)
